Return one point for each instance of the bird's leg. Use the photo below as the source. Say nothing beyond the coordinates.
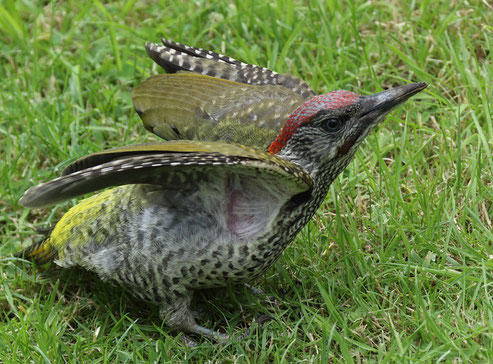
(196, 329)
(254, 290)
(220, 338)
(180, 317)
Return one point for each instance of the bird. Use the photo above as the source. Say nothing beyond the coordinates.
(201, 210)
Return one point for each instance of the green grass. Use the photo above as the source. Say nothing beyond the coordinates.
(395, 266)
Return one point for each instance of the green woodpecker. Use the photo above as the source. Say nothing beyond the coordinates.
(184, 215)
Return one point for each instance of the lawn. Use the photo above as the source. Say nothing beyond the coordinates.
(397, 264)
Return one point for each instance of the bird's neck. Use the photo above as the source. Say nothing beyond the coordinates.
(296, 213)
(305, 205)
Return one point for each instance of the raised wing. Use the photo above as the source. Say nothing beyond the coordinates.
(215, 97)
(192, 106)
(156, 163)
(173, 57)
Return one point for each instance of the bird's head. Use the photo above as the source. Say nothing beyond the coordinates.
(325, 131)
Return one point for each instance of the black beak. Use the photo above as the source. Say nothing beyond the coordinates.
(375, 106)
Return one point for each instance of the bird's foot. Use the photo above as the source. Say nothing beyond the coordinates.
(188, 341)
(258, 292)
(198, 330)
(220, 338)
(259, 321)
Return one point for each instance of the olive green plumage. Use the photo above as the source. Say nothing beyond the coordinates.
(192, 106)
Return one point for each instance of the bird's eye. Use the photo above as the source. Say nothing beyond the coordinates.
(331, 125)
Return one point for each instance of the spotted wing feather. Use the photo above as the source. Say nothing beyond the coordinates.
(153, 163)
(174, 57)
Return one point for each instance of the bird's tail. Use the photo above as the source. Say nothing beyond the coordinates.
(40, 252)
